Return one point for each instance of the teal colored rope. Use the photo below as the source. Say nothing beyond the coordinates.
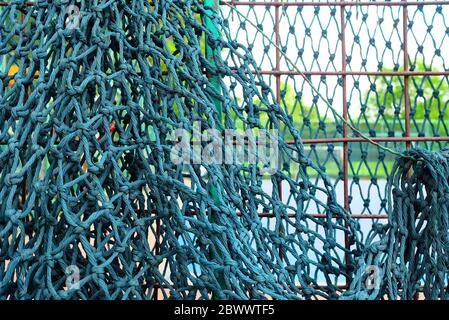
(413, 248)
(86, 178)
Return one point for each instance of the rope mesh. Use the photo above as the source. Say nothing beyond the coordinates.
(86, 177)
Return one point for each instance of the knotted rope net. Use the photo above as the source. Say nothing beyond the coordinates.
(412, 250)
(88, 185)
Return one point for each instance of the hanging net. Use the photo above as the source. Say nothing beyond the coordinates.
(90, 191)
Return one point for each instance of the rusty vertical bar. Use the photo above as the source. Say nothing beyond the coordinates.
(345, 129)
(278, 97)
(278, 68)
(406, 84)
(406, 69)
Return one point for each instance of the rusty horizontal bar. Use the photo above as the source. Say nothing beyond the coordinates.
(322, 216)
(339, 286)
(310, 3)
(344, 73)
(381, 139)
(333, 4)
(310, 215)
(358, 139)
(157, 286)
(29, 3)
(358, 73)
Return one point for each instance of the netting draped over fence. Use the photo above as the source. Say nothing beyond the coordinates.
(87, 180)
